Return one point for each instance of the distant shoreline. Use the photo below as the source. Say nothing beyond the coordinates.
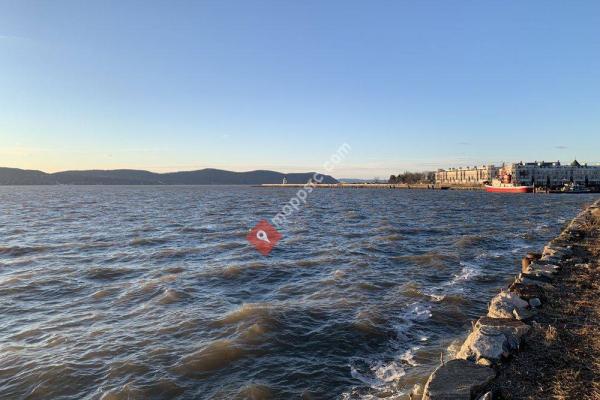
(420, 186)
(208, 176)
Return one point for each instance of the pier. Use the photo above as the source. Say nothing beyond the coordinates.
(421, 186)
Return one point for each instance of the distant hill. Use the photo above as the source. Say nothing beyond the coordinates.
(208, 176)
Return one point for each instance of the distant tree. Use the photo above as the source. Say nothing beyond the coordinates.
(392, 179)
(407, 177)
(430, 176)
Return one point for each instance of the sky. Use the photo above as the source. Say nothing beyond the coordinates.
(282, 84)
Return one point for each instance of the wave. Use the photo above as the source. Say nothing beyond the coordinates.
(418, 312)
(370, 322)
(10, 280)
(173, 254)
(379, 374)
(249, 313)
(392, 237)
(107, 273)
(102, 293)
(149, 241)
(468, 272)
(195, 229)
(18, 251)
(255, 392)
(470, 241)
(171, 296)
(430, 259)
(409, 357)
(97, 245)
(216, 355)
(163, 388)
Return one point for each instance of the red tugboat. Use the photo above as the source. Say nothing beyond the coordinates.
(506, 185)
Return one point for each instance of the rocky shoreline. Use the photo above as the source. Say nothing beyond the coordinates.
(497, 355)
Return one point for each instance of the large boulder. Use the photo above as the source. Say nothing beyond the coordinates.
(503, 305)
(509, 327)
(556, 250)
(457, 380)
(527, 292)
(530, 280)
(548, 270)
(490, 344)
(492, 339)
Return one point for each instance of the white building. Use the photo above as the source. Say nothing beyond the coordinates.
(553, 174)
(466, 175)
(545, 174)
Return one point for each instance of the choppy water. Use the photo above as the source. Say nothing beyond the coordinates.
(153, 292)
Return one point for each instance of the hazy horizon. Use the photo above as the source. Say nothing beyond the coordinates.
(274, 85)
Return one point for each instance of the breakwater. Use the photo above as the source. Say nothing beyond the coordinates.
(488, 365)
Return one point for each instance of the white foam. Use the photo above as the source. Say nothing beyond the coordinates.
(437, 297)
(388, 372)
(382, 374)
(468, 272)
(419, 312)
(408, 357)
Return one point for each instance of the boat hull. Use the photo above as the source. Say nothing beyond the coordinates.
(508, 189)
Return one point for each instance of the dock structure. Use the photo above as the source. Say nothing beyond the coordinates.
(423, 186)
(550, 175)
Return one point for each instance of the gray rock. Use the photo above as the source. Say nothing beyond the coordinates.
(557, 251)
(503, 304)
(492, 339)
(485, 362)
(524, 279)
(550, 259)
(486, 343)
(535, 302)
(527, 292)
(510, 327)
(549, 250)
(523, 314)
(544, 269)
(537, 276)
(457, 380)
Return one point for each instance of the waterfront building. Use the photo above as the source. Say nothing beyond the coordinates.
(554, 174)
(544, 174)
(466, 175)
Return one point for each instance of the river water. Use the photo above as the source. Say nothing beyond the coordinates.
(154, 293)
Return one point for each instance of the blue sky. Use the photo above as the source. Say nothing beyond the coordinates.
(178, 85)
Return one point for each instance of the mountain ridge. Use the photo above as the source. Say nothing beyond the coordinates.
(206, 176)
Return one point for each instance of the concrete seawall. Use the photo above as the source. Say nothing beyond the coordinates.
(496, 337)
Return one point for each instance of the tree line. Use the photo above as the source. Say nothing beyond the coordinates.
(413, 177)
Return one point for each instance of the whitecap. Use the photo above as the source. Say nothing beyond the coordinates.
(418, 312)
(437, 297)
(409, 356)
(388, 372)
(468, 271)
(380, 374)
